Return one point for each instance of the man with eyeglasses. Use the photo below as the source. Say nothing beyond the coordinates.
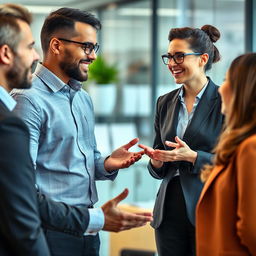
(60, 118)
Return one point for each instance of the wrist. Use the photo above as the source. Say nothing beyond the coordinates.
(106, 165)
(156, 163)
(96, 220)
(193, 157)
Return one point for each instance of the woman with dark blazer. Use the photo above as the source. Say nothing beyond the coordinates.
(188, 121)
(225, 219)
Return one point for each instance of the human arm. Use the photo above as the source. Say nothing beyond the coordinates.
(157, 169)
(107, 168)
(75, 220)
(117, 220)
(109, 217)
(62, 217)
(122, 157)
(180, 152)
(30, 114)
(20, 222)
(150, 152)
(246, 206)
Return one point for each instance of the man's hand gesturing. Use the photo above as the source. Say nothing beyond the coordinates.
(117, 220)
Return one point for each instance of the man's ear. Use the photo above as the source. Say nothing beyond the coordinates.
(55, 46)
(6, 55)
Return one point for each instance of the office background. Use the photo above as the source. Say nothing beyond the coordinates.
(133, 37)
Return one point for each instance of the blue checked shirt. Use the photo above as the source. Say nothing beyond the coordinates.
(62, 142)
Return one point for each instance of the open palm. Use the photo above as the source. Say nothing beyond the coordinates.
(122, 157)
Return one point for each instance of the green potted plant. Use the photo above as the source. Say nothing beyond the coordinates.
(101, 72)
(103, 79)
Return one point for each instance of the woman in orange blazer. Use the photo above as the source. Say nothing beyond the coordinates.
(226, 210)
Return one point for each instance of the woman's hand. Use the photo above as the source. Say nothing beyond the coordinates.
(181, 152)
(150, 153)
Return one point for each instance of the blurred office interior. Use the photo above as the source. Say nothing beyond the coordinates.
(134, 35)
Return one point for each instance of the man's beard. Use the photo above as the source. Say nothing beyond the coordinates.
(71, 68)
(18, 75)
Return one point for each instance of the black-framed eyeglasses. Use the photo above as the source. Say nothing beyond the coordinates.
(177, 57)
(88, 47)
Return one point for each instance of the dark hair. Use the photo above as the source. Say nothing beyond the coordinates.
(9, 28)
(63, 21)
(200, 40)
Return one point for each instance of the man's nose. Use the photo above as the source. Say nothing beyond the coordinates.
(35, 55)
(92, 55)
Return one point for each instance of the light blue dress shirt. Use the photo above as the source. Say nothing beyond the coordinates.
(62, 142)
(8, 101)
(184, 117)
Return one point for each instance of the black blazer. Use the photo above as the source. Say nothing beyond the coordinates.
(201, 136)
(20, 225)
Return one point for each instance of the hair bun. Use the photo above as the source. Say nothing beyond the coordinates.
(212, 32)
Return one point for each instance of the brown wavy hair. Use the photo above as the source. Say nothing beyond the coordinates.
(240, 122)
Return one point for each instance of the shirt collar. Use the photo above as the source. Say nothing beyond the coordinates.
(49, 78)
(8, 101)
(198, 96)
(75, 85)
(53, 82)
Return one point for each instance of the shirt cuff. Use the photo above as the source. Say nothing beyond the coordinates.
(101, 168)
(96, 221)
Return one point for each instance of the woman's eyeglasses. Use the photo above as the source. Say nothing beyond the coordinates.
(177, 57)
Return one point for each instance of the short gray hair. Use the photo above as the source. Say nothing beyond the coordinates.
(9, 28)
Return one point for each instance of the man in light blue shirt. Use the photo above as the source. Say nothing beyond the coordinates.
(60, 118)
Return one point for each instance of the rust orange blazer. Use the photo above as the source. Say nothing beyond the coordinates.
(226, 210)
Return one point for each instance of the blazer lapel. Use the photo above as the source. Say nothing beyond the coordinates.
(170, 125)
(215, 172)
(202, 111)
